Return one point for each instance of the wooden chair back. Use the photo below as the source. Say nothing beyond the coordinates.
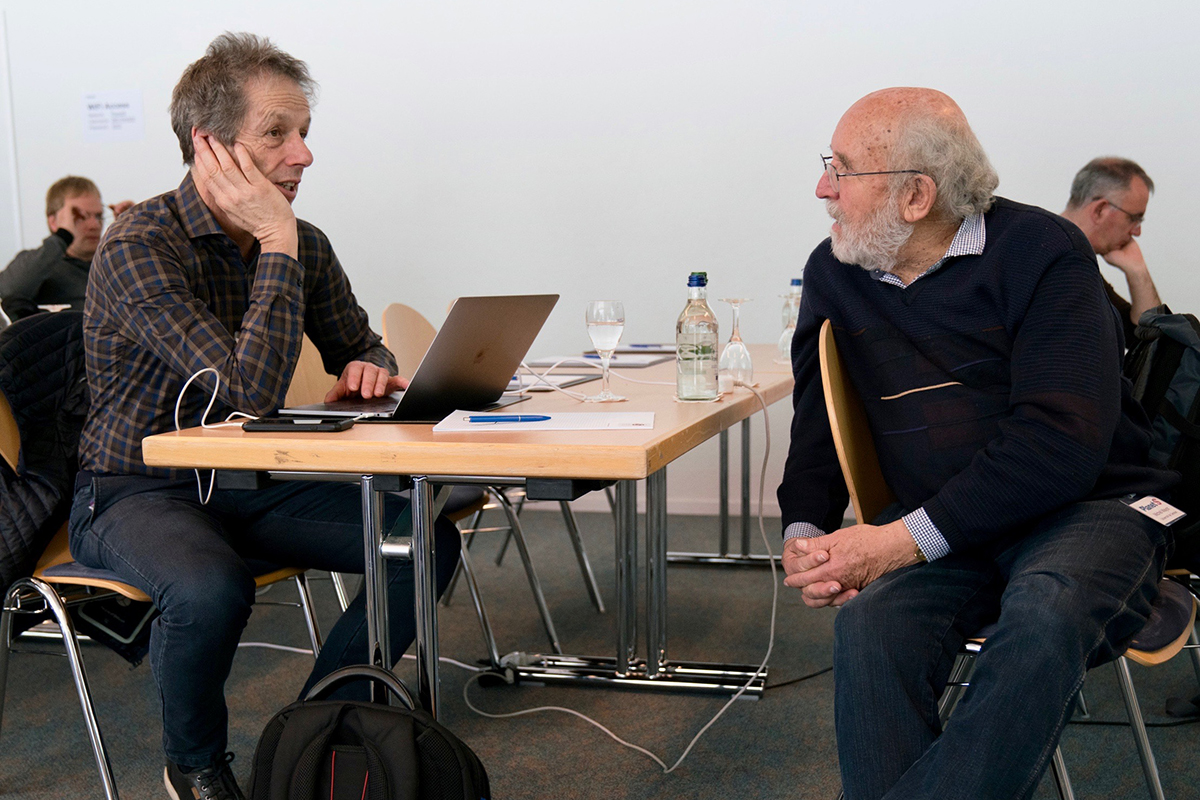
(310, 382)
(869, 492)
(408, 335)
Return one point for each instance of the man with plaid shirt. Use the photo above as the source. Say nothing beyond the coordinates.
(220, 277)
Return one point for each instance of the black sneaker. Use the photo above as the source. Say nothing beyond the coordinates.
(207, 783)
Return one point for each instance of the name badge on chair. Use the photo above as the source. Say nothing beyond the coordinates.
(1157, 510)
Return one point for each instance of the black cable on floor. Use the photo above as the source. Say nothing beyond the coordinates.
(798, 680)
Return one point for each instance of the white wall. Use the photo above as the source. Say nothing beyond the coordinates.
(608, 148)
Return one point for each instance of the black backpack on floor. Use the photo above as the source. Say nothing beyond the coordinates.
(1164, 364)
(329, 749)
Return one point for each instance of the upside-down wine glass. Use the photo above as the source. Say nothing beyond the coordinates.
(784, 350)
(735, 364)
(605, 324)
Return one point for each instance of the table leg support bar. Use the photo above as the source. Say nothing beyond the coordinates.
(683, 676)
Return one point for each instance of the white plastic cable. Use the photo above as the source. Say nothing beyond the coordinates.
(589, 362)
(212, 481)
(761, 667)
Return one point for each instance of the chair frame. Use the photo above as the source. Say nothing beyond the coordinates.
(45, 591)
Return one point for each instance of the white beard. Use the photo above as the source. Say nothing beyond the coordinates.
(874, 243)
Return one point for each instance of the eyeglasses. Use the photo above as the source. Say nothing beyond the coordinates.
(80, 216)
(834, 175)
(1134, 219)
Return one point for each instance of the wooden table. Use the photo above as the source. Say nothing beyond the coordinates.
(371, 454)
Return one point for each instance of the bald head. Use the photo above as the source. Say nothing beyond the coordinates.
(908, 128)
(881, 116)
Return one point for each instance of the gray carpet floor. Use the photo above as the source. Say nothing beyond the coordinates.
(781, 745)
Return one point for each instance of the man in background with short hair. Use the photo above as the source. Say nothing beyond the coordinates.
(56, 273)
(1108, 203)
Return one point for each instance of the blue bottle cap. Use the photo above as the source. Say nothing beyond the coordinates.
(796, 282)
(698, 279)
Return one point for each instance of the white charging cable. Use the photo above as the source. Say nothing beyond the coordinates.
(761, 667)
(212, 481)
(543, 378)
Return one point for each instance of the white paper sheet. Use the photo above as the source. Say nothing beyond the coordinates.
(113, 116)
(457, 422)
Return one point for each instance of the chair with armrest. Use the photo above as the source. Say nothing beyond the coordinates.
(408, 335)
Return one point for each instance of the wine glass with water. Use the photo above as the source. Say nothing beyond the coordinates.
(605, 324)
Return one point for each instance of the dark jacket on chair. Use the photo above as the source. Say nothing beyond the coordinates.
(42, 375)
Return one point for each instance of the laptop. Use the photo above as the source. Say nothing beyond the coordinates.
(468, 366)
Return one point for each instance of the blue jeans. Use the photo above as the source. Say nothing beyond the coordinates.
(191, 560)
(1066, 597)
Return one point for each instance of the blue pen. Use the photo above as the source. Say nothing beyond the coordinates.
(509, 418)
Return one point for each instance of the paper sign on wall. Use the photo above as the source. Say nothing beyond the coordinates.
(113, 116)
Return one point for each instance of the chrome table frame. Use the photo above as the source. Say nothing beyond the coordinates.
(725, 558)
(365, 459)
(655, 671)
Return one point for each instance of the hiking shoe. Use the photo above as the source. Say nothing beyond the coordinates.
(207, 783)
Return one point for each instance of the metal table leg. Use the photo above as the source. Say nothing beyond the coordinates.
(375, 575)
(746, 488)
(723, 506)
(725, 558)
(656, 573)
(625, 670)
(626, 575)
(425, 595)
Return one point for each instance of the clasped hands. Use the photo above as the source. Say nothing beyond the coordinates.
(829, 570)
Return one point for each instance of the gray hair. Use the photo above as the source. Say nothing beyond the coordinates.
(1103, 176)
(945, 149)
(211, 94)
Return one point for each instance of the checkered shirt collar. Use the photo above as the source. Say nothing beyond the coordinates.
(968, 240)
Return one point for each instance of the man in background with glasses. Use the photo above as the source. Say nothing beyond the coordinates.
(977, 334)
(56, 273)
(1108, 203)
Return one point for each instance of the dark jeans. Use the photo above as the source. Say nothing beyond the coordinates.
(191, 560)
(1067, 597)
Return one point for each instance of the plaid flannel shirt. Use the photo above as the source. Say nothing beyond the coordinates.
(170, 294)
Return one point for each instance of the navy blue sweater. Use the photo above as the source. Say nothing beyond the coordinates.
(1034, 413)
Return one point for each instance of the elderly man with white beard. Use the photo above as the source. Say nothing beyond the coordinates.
(977, 332)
